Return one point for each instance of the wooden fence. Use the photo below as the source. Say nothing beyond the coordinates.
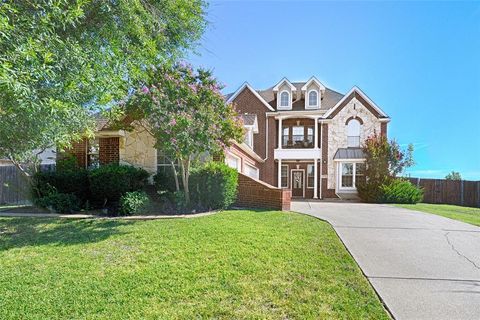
(14, 187)
(458, 192)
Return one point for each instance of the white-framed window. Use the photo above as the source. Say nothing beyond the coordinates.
(284, 176)
(251, 171)
(351, 173)
(233, 162)
(164, 164)
(93, 153)
(310, 176)
(249, 138)
(313, 98)
(298, 134)
(353, 133)
(284, 99)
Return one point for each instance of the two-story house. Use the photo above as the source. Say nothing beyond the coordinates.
(305, 136)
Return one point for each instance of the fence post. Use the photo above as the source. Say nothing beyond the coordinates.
(461, 192)
(418, 182)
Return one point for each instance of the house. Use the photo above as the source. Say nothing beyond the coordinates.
(300, 136)
(306, 137)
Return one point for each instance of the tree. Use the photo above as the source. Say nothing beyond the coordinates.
(384, 161)
(453, 176)
(186, 113)
(61, 60)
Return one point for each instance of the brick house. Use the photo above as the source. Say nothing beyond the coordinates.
(300, 136)
(307, 137)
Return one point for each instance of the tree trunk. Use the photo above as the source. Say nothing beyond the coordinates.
(185, 176)
(175, 176)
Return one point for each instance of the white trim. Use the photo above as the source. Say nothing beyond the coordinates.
(249, 151)
(313, 79)
(279, 104)
(313, 165)
(239, 161)
(284, 79)
(307, 100)
(312, 113)
(338, 187)
(303, 180)
(363, 95)
(246, 85)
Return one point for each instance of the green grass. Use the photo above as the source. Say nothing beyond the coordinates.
(232, 265)
(465, 214)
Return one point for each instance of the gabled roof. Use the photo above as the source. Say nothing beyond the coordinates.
(284, 80)
(250, 120)
(232, 97)
(313, 79)
(355, 92)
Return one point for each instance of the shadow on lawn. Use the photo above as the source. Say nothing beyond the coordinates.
(22, 232)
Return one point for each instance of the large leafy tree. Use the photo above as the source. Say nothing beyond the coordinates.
(186, 113)
(62, 59)
(454, 175)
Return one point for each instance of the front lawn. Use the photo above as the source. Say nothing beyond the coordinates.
(232, 265)
(465, 214)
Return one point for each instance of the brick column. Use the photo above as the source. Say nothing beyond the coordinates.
(109, 150)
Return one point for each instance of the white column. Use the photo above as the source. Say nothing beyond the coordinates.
(316, 135)
(279, 173)
(315, 179)
(280, 138)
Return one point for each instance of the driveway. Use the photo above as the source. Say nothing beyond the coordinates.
(423, 266)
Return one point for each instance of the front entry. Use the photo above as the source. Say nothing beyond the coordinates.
(298, 183)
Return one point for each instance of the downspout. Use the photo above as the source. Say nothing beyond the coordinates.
(266, 142)
(321, 158)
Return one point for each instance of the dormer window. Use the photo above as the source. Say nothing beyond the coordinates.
(284, 99)
(313, 98)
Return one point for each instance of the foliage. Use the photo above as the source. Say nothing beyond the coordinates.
(60, 202)
(186, 113)
(62, 59)
(454, 175)
(109, 182)
(164, 180)
(214, 186)
(384, 161)
(133, 202)
(67, 162)
(400, 191)
(221, 258)
(73, 182)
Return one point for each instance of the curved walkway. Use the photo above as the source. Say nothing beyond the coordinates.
(423, 266)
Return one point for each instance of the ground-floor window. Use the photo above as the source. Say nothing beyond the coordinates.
(310, 176)
(234, 162)
(351, 173)
(284, 177)
(251, 171)
(164, 163)
(93, 152)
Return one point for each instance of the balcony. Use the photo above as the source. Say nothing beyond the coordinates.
(297, 141)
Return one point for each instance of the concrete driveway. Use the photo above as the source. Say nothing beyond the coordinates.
(422, 265)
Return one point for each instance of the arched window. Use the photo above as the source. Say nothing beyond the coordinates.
(284, 99)
(313, 98)
(353, 133)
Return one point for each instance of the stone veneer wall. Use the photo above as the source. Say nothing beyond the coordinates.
(337, 132)
(137, 148)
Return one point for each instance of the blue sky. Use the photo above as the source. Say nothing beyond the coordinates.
(419, 61)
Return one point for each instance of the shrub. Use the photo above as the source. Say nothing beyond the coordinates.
(109, 182)
(68, 182)
(369, 191)
(60, 202)
(400, 191)
(165, 181)
(133, 202)
(214, 186)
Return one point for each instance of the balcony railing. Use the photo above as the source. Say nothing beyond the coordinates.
(297, 141)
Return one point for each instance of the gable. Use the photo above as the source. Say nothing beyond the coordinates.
(244, 87)
(362, 98)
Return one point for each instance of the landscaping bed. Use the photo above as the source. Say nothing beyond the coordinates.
(232, 265)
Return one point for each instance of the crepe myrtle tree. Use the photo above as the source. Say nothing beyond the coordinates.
(184, 110)
(61, 61)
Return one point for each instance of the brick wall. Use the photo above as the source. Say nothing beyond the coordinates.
(257, 194)
(109, 150)
(383, 129)
(79, 150)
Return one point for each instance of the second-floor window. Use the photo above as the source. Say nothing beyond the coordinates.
(312, 98)
(249, 138)
(297, 137)
(284, 99)
(353, 133)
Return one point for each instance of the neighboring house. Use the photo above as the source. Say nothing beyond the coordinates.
(307, 137)
(300, 136)
(46, 157)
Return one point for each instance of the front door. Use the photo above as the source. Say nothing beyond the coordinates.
(297, 183)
